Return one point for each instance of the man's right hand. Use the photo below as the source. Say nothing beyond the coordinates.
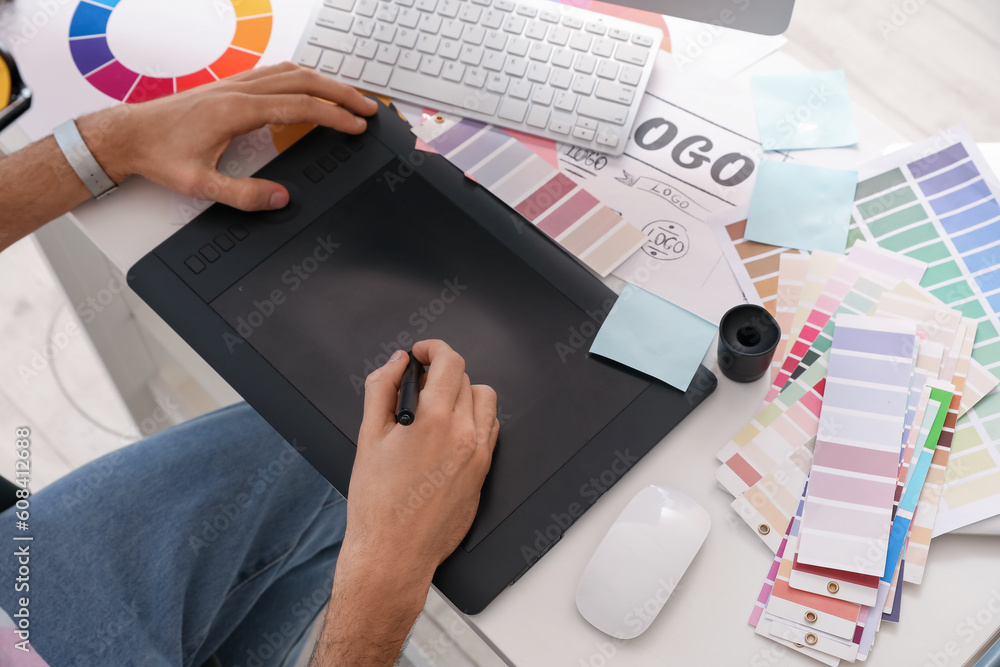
(414, 492)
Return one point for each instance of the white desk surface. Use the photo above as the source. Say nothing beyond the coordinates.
(535, 622)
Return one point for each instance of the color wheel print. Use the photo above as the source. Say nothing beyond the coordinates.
(88, 43)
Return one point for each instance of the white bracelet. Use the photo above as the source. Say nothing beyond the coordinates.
(68, 138)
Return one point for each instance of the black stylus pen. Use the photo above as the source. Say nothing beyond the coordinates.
(408, 389)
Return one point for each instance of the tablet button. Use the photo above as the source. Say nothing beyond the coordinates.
(292, 208)
(224, 242)
(340, 153)
(210, 253)
(355, 144)
(327, 162)
(313, 173)
(239, 232)
(195, 264)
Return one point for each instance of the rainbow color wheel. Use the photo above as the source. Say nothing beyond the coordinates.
(88, 43)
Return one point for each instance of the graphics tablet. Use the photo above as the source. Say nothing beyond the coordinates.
(381, 246)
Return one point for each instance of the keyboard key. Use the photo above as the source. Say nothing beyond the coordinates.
(431, 65)
(408, 18)
(496, 40)
(542, 95)
(614, 92)
(484, 3)
(602, 48)
(456, 95)
(428, 43)
(331, 39)
(430, 23)
(497, 83)
(472, 55)
(453, 71)
(513, 110)
(562, 58)
(331, 62)
(387, 12)
(596, 27)
(426, 5)
(494, 61)
(516, 66)
(366, 48)
(377, 74)
(518, 46)
(474, 77)
(388, 54)
(564, 101)
(536, 30)
(630, 75)
(585, 64)
(633, 55)
(364, 27)
(559, 127)
(586, 123)
(452, 29)
(450, 49)
(601, 110)
(558, 36)
(404, 3)
(538, 72)
(583, 84)
(607, 69)
(527, 11)
(580, 41)
(449, 8)
(503, 5)
(540, 52)
(409, 60)
(514, 24)
(560, 78)
(549, 16)
(572, 22)
(331, 18)
(406, 38)
(352, 67)
(619, 34)
(642, 40)
(343, 5)
(385, 32)
(470, 13)
(582, 133)
(366, 8)
(538, 116)
(519, 89)
(608, 139)
(310, 55)
(473, 34)
(492, 19)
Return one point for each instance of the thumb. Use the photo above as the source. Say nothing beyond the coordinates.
(381, 396)
(251, 194)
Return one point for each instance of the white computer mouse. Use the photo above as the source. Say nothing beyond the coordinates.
(640, 561)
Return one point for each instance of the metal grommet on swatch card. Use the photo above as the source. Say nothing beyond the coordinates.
(748, 336)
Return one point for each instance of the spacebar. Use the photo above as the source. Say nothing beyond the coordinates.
(455, 94)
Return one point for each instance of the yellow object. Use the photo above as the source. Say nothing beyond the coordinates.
(5, 84)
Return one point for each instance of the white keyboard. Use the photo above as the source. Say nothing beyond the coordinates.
(541, 67)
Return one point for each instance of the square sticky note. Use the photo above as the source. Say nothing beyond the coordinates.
(655, 337)
(810, 110)
(799, 206)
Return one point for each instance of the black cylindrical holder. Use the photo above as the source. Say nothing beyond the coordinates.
(748, 335)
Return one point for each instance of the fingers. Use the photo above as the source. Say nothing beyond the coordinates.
(484, 401)
(249, 194)
(381, 397)
(253, 111)
(310, 82)
(463, 404)
(446, 371)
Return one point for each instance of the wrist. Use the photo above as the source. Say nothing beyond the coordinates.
(110, 137)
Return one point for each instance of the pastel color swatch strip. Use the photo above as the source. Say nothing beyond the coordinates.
(847, 512)
(516, 175)
(791, 277)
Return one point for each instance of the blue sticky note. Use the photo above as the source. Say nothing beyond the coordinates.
(810, 110)
(800, 206)
(655, 337)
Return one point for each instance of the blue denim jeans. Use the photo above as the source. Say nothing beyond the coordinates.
(214, 537)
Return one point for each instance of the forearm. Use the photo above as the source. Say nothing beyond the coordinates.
(37, 184)
(372, 608)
